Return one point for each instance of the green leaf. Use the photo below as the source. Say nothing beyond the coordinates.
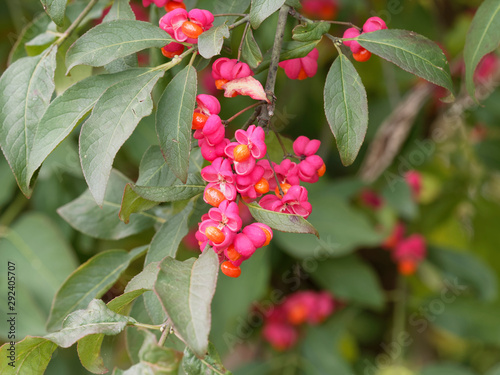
(185, 290)
(166, 241)
(43, 260)
(280, 221)
(350, 279)
(290, 50)
(114, 118)
(261, 9)
(164, 361)
(91, 280)
(25, 91)
(483, 37)
(173, 121)
(446, 369)
(469, 270)
(192, 365)
(163, 185)
(111, 40)
(55, 9)
(32, 356)
(86, 216)
(310, 31)
(39, 43)
(145, 279)
(97, 318)
(89, 347)
(251, 52)
(412, 52)
(153, 171)
(121, 10)
(30, 31)
(65, 112)
(210, 42)
(346, 108)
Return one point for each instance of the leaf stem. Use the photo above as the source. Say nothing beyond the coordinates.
(275, 175)
(176, 60)
(240, 48)
(13, 210)
(301, 18)
(148, 326)
(240, 22)
(77, 22)
(231, 14)
(164, 334)
(241, 112)
(265, 115)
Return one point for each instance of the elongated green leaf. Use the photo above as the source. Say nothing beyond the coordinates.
(43, 260)
(114, 118)
(185, 290)
(173, 121)
(91, 280)
(30, 31)
(121, 10)
(89, 347)
(310, 32)
(145, 279)
(483, 37)
(64, 113)
(350, 279)
(290, 50)
(412, 52)
(32, 355)
(193, 365)
(153, 171)
(280, 221)
(97, 318)
(261, 9)
(194, 186)
(251, 52)
(55, 9)
(86, 216)
(346, 108)
(166, 241)
(40, 43)
(25, 91)
(111, 40)
(211, 41)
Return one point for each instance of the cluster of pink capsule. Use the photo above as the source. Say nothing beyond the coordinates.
(238, 170)
(282, 323)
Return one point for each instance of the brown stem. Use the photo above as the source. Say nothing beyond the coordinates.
(268, 110)
(241, 112)
(240, 48)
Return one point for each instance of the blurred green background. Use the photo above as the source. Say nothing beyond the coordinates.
(458, 213)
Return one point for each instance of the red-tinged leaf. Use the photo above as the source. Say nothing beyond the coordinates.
(248, 86)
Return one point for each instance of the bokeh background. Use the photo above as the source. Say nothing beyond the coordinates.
(448, 311)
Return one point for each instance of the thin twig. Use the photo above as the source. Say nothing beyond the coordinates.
(252, 118)
(268, 110)
(164, 334)
(241, 112)
(240, 48)
(77, 22)
(275, 175)
(301, 18)
(278, 137)
(240, 22)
